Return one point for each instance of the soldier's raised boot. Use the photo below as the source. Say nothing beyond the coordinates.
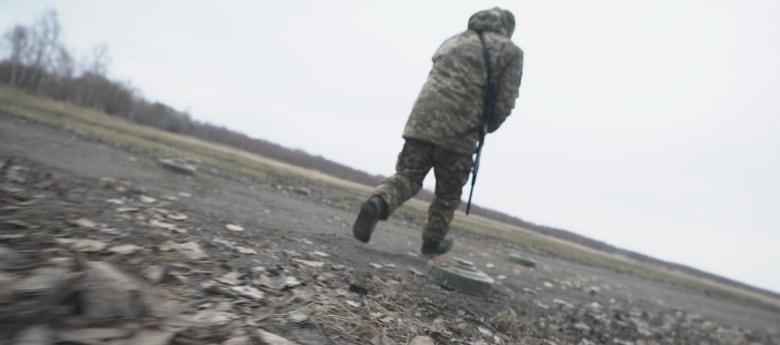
(370, 213)
(431, 248)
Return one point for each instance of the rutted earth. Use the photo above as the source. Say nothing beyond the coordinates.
(100, 245)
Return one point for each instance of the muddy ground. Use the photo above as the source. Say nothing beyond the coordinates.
(234, 257)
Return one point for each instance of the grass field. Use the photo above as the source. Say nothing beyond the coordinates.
(115, 131)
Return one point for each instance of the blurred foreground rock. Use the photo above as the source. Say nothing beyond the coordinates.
(67, 300)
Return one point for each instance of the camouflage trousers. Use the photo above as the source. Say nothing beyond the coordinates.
(452, 171)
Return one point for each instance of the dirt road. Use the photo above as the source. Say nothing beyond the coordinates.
(558, 302)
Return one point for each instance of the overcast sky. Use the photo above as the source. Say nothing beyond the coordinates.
(650, 125)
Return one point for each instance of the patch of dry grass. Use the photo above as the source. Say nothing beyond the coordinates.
(115, 131)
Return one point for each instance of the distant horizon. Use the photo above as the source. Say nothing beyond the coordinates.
(647, 126)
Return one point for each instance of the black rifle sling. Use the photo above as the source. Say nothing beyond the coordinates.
(491, 85)
(491, 88)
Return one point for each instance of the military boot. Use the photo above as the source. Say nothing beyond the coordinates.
(431, 249)
(370, 213)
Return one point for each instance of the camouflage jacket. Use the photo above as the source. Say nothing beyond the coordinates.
(451, 101)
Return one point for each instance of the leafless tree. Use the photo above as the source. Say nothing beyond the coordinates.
(95, 68)
(45, 45)
(18, 39)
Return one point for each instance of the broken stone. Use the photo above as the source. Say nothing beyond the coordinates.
(249, 292)
(241, 340)
(177, 216)
(352, 303)
(484, 331)
(84, 223)
(563, 303)
(415, 271)
(642, 327)
(231, 245)
(245, 250)
(155, 274)
(314, 264)
(290, 282)
(127, 209)
(268, 338)
(522, 260)
(212, 318)
(223, 242)
(115, 201)
(190, 249)
(232, 278)
(384, 340)
(325, 277)
(422, 340)
(582, 327)
(163, 225)
(234, 227)
(298, 317)
(375, 265)
(264, 280)
(167, 246)
(179, 165)
(593, 290)
(125, 249)
(107, 181)
(302, 191)
(213, 288)
(440, 326)
(88, 245)
(147, 199)
(320, 254)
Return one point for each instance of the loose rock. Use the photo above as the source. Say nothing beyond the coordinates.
(125, 249)
(88, 246)
(422, 340)
(272, 339)
(155, 274)
(234, 227)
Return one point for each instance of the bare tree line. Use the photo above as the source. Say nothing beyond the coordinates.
(38, 62)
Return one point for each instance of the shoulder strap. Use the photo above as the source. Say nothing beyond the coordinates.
(491, 89)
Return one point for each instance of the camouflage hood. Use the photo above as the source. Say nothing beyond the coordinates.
(493, 20)
(451, 103)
